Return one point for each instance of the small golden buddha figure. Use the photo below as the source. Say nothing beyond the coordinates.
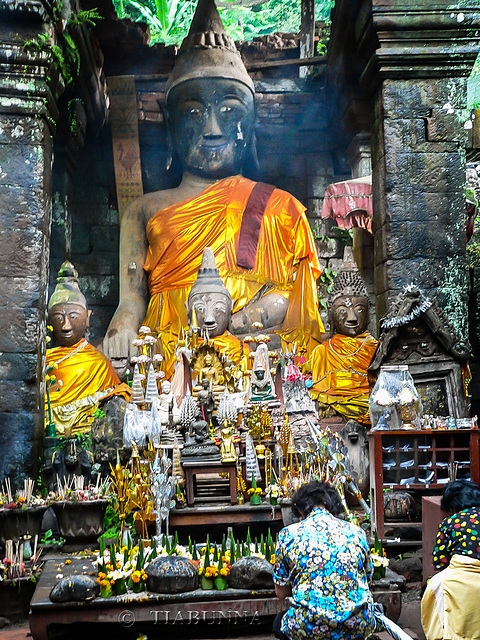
(227, 448)
(339, 365)
(84, 376)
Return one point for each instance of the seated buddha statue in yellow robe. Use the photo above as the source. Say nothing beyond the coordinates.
(339, 365)
(260, 237)
(83, 375)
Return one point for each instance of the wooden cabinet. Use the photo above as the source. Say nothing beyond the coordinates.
(418, 461)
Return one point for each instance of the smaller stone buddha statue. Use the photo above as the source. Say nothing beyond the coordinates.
(206, 401)
(83, 375)
(167, 414)
(209, 308)
(262, 387)
(198, 444)
(339, 365)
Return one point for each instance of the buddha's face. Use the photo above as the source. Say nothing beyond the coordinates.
(259, 374)
(349, 315)
(69, 321)
(211, 123)
(166, 387)
(213, 311)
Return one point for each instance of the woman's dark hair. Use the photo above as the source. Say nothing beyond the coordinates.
(459, 495)
(316, 494)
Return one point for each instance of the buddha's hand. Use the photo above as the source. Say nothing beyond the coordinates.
(269, 310)
(121, 332)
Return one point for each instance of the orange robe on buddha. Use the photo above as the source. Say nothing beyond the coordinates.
(339, 374)
(286, 260)
(84, 376)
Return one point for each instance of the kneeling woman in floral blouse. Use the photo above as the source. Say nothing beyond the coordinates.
(323, 568)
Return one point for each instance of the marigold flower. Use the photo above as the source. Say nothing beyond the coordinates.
(68, 561)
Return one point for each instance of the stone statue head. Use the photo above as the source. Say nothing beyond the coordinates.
(348, 301)
(209, 104)
(67, 309)
(209, 298)
(166, 387)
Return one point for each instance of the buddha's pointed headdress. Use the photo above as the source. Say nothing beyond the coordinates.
(348, 281)
(207, 51)
(208, 277)
(67, 288)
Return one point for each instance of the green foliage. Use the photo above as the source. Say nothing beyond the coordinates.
(112, 523)
(169, 20)
(49, 538)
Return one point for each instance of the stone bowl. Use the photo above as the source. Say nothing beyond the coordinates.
(80, 520)
(172, 574)
(251, 573)
(18, 523)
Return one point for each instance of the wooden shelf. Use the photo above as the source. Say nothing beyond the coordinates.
(423, 454)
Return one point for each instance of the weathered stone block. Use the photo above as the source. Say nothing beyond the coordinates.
(17, 434)
(413, 99)
(440, 209)
(22, 130)
(319, 164)
(403, 239)
(432, 172)
(18, 330)
(429, 274)
(95, 213)
(104, 238)
(316, 141)
(105, 264)
(18, 366)
(314, 210)
(23, 208)
(23, 165)
(407, 132)
(22, 252)
(81, 241)
(19, 292)
(444, 126)
(276, 140)
(99, 289)
(328, 248)
(316, 185)
(17, 395)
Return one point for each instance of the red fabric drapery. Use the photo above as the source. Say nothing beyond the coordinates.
(349, 203)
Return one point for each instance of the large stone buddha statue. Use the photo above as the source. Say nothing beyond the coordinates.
(83, 375)
(259, 235)
(339, 365)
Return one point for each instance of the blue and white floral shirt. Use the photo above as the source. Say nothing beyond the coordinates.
(327, 563)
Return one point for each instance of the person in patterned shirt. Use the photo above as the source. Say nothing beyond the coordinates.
(450, 602)
(323, 568)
